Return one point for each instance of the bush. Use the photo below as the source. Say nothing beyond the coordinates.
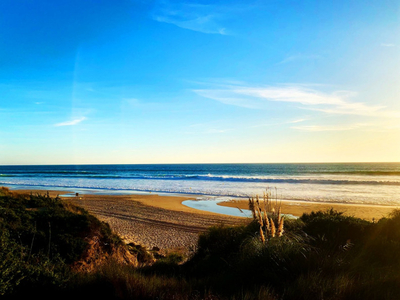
(322, 255)
(40, 238)
(11, 267)
(331, 229)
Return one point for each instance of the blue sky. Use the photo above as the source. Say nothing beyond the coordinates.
(199, 81)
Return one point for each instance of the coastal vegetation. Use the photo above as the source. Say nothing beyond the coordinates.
(52, 249)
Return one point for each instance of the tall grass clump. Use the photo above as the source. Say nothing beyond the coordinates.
(46, 248)
(259, 255)
(267, 213)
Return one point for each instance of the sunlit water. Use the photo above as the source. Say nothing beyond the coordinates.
(374, 183)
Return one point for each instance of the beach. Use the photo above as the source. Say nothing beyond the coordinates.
(150, 220)
(164, 222)
(297, 208)
(370, 183)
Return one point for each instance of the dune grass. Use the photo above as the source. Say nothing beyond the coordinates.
(267, 213)
(321, 255)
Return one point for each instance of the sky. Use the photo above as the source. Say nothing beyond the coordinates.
(118, 81)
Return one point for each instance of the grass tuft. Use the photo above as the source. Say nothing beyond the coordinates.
(322, 255)
(268, 215)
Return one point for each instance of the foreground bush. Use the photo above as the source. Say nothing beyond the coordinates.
(47, 250)
(42, 240)
(322, 255)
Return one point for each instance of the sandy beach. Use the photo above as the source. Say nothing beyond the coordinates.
(297, 208)
(150, 220)
(164, 222)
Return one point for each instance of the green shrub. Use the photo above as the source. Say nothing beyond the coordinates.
(40, 238)
(322, 255)
(143, 256)
(11, 272)
(331, 229)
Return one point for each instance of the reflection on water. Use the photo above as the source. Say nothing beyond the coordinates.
(212, 206)
(206, 203)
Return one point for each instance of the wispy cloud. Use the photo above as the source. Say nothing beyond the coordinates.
(316, 128)
(382, 125)
(279, 123)
(192, 16)
(71, 123)
(337, 102)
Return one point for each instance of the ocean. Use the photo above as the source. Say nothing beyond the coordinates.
(368, 183)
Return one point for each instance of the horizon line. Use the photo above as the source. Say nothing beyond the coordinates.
(199, 163)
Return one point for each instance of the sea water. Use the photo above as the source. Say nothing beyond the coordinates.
(367, 183)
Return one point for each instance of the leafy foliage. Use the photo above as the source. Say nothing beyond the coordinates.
(40, 238)
(322, 255)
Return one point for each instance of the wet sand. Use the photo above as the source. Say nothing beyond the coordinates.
(297, 208)
(150, 220)
(164, 222)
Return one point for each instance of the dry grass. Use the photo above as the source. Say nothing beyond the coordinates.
(267, 212)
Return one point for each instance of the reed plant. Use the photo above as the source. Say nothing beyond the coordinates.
(267, 212)
(321, 255)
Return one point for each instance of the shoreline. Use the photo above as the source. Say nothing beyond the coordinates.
(174, 201)
(162, 221)
(150, 220)
(368, 212)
